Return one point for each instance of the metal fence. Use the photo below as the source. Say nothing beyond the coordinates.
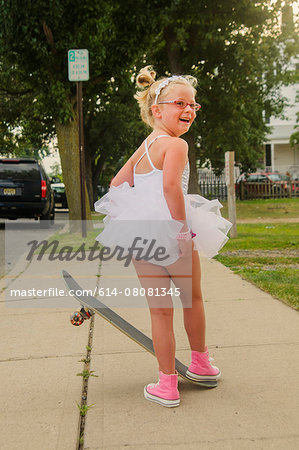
(212, 186)
(213, 189)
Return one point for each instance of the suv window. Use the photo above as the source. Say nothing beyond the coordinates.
(19, 171)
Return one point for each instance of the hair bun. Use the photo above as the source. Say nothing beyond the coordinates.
(146, 77)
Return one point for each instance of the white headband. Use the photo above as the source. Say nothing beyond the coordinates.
(164, 84)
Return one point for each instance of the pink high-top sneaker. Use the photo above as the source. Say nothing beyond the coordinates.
(201, 368)
(165, 392)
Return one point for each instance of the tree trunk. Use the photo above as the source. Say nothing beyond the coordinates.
(193, 180)
(88, 174)
(67, 136)
(88, 164)
(97, 169)
(175, 58)
(173, 51)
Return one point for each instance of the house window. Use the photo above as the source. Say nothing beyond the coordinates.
(268, 155)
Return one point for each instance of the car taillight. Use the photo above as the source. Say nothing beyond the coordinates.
(44, 188)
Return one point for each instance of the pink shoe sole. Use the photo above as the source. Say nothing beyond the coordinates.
(161, 401)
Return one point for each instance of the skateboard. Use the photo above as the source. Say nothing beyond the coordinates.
(91, 305)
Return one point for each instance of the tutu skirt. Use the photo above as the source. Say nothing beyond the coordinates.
(140, 215)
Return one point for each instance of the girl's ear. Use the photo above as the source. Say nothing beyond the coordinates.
(156, 111)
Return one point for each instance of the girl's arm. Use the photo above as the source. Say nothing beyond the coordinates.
(173, 166)
(125, 174)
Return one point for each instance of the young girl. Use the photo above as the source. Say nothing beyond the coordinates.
(148, 201)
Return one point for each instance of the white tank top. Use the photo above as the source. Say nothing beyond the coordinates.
(156, 175)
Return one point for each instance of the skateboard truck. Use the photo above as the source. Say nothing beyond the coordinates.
(78, 317)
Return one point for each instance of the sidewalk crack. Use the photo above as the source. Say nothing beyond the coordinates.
(83, 406)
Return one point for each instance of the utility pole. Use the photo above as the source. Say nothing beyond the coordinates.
(78, 68)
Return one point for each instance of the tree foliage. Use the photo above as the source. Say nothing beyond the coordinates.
(235, 50)
(113, 129)
(35, 92)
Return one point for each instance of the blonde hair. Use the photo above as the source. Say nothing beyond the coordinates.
(146, 95)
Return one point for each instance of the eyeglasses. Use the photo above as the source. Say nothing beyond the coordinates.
(182, 105)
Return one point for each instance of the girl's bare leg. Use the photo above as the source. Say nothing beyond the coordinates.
(194, 318)
(161, 310)
(194, 313)
(163, 338)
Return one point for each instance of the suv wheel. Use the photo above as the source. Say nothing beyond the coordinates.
(48, 219)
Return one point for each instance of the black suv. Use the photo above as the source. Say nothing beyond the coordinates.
(25, 191)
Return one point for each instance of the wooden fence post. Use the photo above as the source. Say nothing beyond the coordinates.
(231, 194)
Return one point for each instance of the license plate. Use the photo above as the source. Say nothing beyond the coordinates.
(58, 205)
(9, 191)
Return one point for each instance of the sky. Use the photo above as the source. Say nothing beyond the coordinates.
(48, 161)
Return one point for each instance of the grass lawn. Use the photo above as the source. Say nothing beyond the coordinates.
(281, 208)
(268, 256)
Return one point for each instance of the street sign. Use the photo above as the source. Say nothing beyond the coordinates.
(78, 65)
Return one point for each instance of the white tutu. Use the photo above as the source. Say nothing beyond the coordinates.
(141, 213)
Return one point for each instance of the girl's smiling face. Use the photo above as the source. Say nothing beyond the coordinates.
(169, 117)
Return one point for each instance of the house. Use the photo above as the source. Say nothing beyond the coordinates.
(279, 155)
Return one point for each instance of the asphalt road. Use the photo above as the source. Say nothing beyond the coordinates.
(16, 234)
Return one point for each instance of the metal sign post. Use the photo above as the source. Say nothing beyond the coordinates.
(231, 194)
(78, 69)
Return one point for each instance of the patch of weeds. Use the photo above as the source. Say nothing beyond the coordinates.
(83, 410)
(81, 440)
(85, 360)
(86, 374)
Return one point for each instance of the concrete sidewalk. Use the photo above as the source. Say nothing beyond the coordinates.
(40, 355)
(253, 337)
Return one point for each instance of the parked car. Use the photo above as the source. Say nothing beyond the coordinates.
(60, 199)
(261, 185)
(25, 191)
(55, 180)
(294, 184)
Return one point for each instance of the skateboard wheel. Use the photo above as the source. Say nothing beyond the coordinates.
(86, 313)
(77, 319)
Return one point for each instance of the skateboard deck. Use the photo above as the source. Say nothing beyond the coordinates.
(96, 306)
